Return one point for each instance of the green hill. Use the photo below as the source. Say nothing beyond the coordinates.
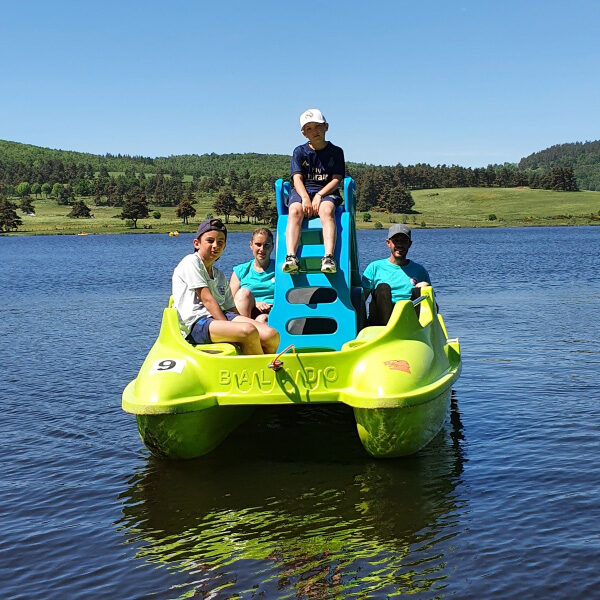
(186, 164)
(267, 165)
(583, 157)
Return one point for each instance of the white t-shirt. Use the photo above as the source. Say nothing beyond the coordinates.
(189, 275)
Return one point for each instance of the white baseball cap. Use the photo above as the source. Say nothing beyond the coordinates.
(312, 115)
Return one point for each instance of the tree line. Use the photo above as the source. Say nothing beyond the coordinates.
(241, 196)
(386, 187)
(243, 192)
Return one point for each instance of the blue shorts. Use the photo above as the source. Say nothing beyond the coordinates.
(200, 333)
(335, 198)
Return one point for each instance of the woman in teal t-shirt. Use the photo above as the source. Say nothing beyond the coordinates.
(253, 283)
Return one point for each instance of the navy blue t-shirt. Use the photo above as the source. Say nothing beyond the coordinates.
(318, 166)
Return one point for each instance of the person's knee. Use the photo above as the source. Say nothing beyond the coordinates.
(243, 294)
(383, 288)
(326, 210)
(270, 338)
(383, 292)
(266, 332)
(295, 212)
(247, 330)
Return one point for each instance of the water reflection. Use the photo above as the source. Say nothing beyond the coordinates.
(290, 507)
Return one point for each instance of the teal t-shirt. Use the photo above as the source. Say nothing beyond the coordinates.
(262, 285)
(398, 278)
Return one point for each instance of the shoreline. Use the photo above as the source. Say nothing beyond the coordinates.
(251, 228)
(447, 208)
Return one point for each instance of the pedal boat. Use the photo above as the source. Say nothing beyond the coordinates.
(396, 378)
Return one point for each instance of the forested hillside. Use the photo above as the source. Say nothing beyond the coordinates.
(187, 164)
(242, 184)
(582, 157)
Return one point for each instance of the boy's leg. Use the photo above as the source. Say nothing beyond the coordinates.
(244, 302)
(239, 331)
(269, 338)
(292, 236)
(326, 214)
(294, 225)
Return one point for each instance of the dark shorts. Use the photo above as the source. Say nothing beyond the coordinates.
(200, 333)
(335, 198)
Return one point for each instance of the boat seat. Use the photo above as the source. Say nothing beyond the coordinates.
(171, 325)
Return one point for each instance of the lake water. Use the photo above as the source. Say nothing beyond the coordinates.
(504, 503)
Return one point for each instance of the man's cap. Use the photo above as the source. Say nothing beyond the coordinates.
(312, 115)
(211, 225)
(398, 228)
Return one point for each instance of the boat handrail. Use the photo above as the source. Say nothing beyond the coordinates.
(418, 300)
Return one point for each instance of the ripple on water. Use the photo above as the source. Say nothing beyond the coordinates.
(502, 504)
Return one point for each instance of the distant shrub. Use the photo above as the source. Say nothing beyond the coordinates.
(80, 209)
(129, 223)
(156, 214)
(492, 217)
(378, 225)
(423, 224)
(404, 219)
(367, 217)
(392, 219)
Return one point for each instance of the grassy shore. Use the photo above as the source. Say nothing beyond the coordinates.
(451, 207)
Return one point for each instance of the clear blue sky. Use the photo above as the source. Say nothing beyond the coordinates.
(455, 82)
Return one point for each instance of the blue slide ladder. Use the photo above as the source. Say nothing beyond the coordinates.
(314, 310)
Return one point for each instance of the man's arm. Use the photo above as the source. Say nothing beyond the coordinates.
(366, 281)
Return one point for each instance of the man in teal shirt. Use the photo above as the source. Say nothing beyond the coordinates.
(394, 278)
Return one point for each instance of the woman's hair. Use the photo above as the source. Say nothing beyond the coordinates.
(266, 232)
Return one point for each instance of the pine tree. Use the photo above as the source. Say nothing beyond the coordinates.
(249, 206)
(26, 205)
(185, 210)
(397, 200)
(135, 207)
(80, 210)
(225, 204)
(9, 220)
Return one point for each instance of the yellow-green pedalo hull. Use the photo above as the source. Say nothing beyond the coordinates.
(188, 435)
(391, 432)
(397, 379)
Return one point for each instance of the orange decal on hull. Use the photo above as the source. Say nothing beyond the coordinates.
(398, 365)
